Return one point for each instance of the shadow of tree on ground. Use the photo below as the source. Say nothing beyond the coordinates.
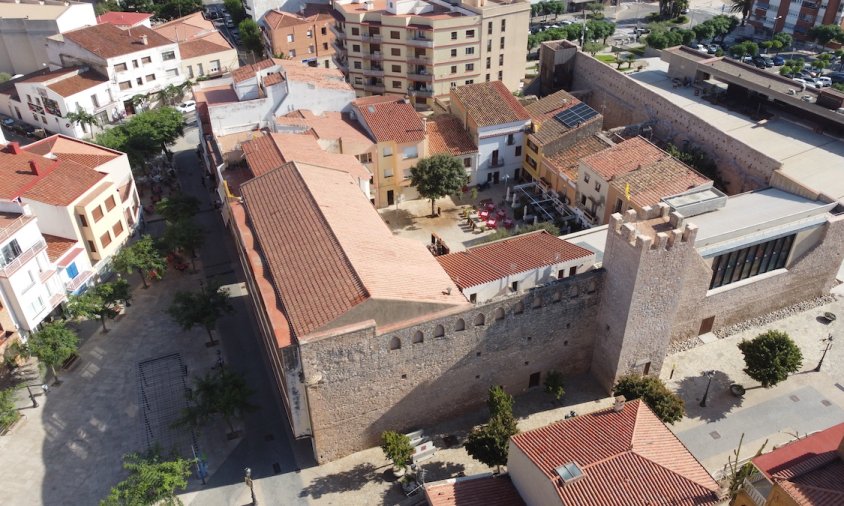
(719, 402)
(436, 471)
(346, 481)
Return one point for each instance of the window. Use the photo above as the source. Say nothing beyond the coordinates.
(10, 252)
(511, 139)
(470, 67)
(394, 51)
(473, 298)
(489, 28)
(150, 77)
(585, 177)
(489, 45)
(487, 78)
(618, 205)
(365, 158)
(134, 63)
(395, 343)
(418, 337)
(454, 69)
(410, 152)
(97, 213)
(105, 239)
(215, 66)
(37, 305)
(453, 84)
(488, 64)
(501, 45)
(395, 34)
(139, 81)
(397, 84)
(146, 59)
(499, 314)
(460, 325)
(388, 172)
(71, 270)
(109, 203)
(479, 320)
(514, 286)
(751, 261)
(325, 46)
(395, 68)
(323, 32)
(356, 48)
(199, 69)
(501, 59)
(355, 30)
(453, 35)
(454, 53)
(518, 151)
(292, 53)
(168, 55)
(470, 50)
(470, 34)
(356, 65)
(500, 75)
(91, 247)
(597, 186)
(439, 331)
(172, 72)
(95, 101)
(82, 220)
(583, 200)
(311, 49)
(519, 308)
(531, 162)
(470, 81)
(503, 24)
(358, 81)
(190, 71)
(290, 37)
(309, 34)
(117, 229)
(467, 162)
(387, 151)
(120, 67)
(125, 85)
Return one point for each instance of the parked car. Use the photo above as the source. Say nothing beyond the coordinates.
(229, 21)
(187, 106)
(712, 49)
(778, 60)
(836, 77)
(699, 47)
(805, 83)
(759, 62)
(823, 81)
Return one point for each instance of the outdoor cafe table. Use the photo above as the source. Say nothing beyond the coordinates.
(483, 215)
(491, 223)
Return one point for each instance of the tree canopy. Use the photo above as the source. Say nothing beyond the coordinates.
(770, 357)
(251, 36)
(53, 344)
(489, 444)
(201, 308)
(599, 29)
(152, 480)
(145, 135)
(184, 235)
(437, 176)
(177, 207)
(99, 302)
(823, 34)
(545, 8)
(742, 6)
(222, 392)
(141, 256)
(665, 404)
(235, 8)
(396, 447)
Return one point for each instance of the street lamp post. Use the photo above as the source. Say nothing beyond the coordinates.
(32, 397)
(248, 480)
(828, 342)
(708, 374)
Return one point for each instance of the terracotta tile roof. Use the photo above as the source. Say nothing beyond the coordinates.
(78, 83)
(447, 135)
(663, 178)
(58, 246)
(490, 103)
(109, 41)
(546, 128)
(63, 148)
(245, 72)
(499, 259)
(627, 457)
(395, 121)
(318, 77)
(328, 127)
(59, 182)
(313, 13)
(44, 76)
(262, 154)
(273, 79)
(123, 18)
(200, 47)
(809, 469)
(186, 27)
(566, 161)
(474, 491)
(307, 221)
(374, 99)
(214, 95)
(624, 157)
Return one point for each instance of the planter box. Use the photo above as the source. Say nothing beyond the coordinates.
(11, 428)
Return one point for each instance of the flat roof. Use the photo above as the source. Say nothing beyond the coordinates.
(593, 239)
(812, 160)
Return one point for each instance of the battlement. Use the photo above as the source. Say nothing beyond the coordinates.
(653, 228)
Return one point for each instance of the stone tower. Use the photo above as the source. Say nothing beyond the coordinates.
(645, 259)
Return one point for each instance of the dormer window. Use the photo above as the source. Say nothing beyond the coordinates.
(569, 472)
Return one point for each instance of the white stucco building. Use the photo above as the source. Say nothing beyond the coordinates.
(25, 24)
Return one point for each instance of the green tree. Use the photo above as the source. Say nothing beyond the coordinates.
(83, 119)
(703, 31)
(397, 448)
(141, 256)
(593, 47)
(489, 444)
(784, 38)
(437, 176)
(596, 8)
(665, 404)
(185, 236)
(723, 25)
(177, 207)
(742, 6)
(628, 58)
(53, 344)
(823, 34)
(99, 302)
(172, 9)
(5, 76)
(152, 480)
(169, 94)
(599, 30)
(770, 357)
(223, 392)
(251, 36)
(145, 135)
(103, 6)
(555, 385)
(8, 411)
(201, 308)
(235, 8)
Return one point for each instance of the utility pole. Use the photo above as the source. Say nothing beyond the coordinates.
(828, 342)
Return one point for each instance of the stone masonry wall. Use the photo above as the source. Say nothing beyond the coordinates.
(360, 384)
(623, 101)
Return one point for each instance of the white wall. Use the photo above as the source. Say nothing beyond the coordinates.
(302, 95)
(81, 100)
(55, 220)
(535, 488)
(528, 279)
(495, 137)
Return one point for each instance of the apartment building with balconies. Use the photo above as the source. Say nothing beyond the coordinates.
(305, 36)
(424, 48)
(794, 17)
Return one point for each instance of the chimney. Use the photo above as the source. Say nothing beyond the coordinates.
(34, 166)
(619, 404)
(144, 40)
(14, 147)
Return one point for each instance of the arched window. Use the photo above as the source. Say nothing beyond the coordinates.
(418, 337)
(460, 325)
(499, 314)
(573, 291)
(557, 296)
(480, 320)
(518, 308)
(395, 343)
(439, 331)
(537, 302)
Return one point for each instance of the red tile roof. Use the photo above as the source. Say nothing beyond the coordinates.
(63, 148)
(313, 12)
(627, 457)
(624, 157)
(262, 154)
(273, 79)
(42, 77)
(474, 491)
(490, 103)
(200, 47)
(547, 129)
(109, 41)
(395, 121)
(810, 470)
(499, 259)
(123, 18)
(567, 161)
(78, 83)
(58, 246)
(648, 184)
(447, 135)
(245, 72)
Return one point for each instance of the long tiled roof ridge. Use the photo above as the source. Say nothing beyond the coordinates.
(109, 41)
(624, 157)
(396, 121)
(490, 103)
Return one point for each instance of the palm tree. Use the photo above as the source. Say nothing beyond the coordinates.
(83, 119)
(742, 6)
(168, 94)
(139, 102)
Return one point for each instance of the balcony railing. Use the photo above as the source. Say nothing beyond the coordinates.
(366, 37)
(757, 487)
(496, 163)
(78, 281)
(340, 34)
(11, 267)
(374, 88)
(373, 56)
(420, 42)
(373, 72)
(419, 60)
(14, 226)
(420, 77)
(421, 92)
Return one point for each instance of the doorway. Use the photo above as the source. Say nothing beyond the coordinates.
(129, 107)
(390, 197)
(647, 369)
(706, 325)
(495, 177)
(534, 380)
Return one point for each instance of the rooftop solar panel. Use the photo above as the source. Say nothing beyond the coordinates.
(575, 115)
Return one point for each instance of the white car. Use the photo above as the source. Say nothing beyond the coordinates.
(805, 83)
(189, 106)
(823, 81)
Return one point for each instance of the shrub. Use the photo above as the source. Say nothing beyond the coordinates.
(771, 357)
(665, 404)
